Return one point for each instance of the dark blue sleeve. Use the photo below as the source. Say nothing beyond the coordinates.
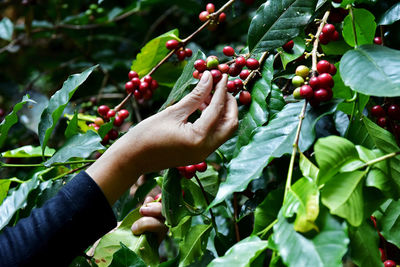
(62, 229)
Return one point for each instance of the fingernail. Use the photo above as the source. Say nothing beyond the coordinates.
(206, 77)
(134, 228)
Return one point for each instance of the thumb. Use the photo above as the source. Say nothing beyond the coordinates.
(194, 99)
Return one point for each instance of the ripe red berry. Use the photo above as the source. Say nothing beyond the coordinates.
(245, 98)
(147, 94)
(153, 85)
(224, 68)
(210, 8)
(113, 134)
(323, 66)
(217, 76)
(203, 16)
(378, 40)
(157, 197)
(394, 112)
(190, 170)
(102, 110)
(240, 62)
(314, 82)
(288, 46)
(188, 52)
(110, 114)
(228, 51)
(325, 80)
(328, 30)
(172, 44)
(335, 36)
(377, 111)
(323, 39)
(332, 70)
(382, 122)
(137, 94)
(136, 82)
(143, 87)
(389, 263)
(321, 95)
(244, 74)
(181, 54)
(106, 140)
(222, 17)
(306, 92)
(252, 63)
(132, 74)
(129, 87)
(231, 86)
(200, 65)
(118, 121)
(123, 113)
(238, 84)
(147, 79)
(234, 70)
(196, 74)
(201, 167)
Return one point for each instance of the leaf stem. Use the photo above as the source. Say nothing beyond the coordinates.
(235, 215)
(71, 171)
(208, 202)
(266, 229)
(377, 160)
(354, 25)
(42, 165)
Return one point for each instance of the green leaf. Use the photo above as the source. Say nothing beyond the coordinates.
(72, 128)
(28, 152)
(6, 29)
(78, 146)
(16, 201)
(12, 119)
(302, 200)
(320, 4)
(52, 113)
(390, 223)
(343, 195)
(336, 48)
(323, 249)
(358, 134)
(268, 210)
(105, 128)
(183, 85)
(297, 51)
(390, 16)
(125, 257)
(242, 254)
(144, 245)
(153, 52)
(308, 169)
(364, 249)
(257, 114)
(4, 186)
(277, 22)
(275, 101)
(371, 70)
(172, 208)
(194, 244)
(365, 27)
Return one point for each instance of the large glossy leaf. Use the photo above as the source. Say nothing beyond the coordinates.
(326, 248)
(372, 70)
(364, 244)
(4, 186)
(28, 152)
(52, 113)
(183, 84)
(343, 195)
(16, 200)
(194, 244)
(391, 15)
(257, 114)
(12, 119)
(358, 134)
(125, 257)
(277, 22)
(242, 254)
(78, 146)
(390, 223)
(308, 169)
(6, 29)
(275, 101)
(144, 245)
(73, 126)
(365, 25)
(152, 53)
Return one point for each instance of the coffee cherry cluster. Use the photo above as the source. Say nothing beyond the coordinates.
(190, 170)
(387, 116)
(181, 51)
(328, 34)
(319, 88)
(106, 114)
(141, 88)
(94, 10)
(205, 15)
(236, 68)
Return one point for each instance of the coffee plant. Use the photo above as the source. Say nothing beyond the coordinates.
(310, 178)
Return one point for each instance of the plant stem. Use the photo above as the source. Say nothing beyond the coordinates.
(266, 229)
(314, 51)
(235, 215)
(377, 160)
(354, 26)
(42, 165)
(207, 201)
(71, 171)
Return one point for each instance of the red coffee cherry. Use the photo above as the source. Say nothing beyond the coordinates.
(288, 46)
(181, 54)
(378, 40)
(190, 171)
(394, 112)
(234, 70)
(143, 87)
(106, 140)
(137, 94)
(323, 39)
(200, 65)
(314, 102)
(147, 94)
(201, 167)
(321, 95)
(389, 263)
(118, 121)
(377, 111)
(240, 62)
(113, 134)
(98, 121)
(158, 197)
(314, 82)
(110, 114)
(102, 110)
(245, 98)
(132, 74)
(244, 74)
(188, 52)
(196, 74)
(123, 113)
(335, 36)
(323, 66)
(147, 79)
(153, 85)
(217, 76)
(203, 16)
(172, 44)
(231, 86)
(228, 51)
(306, 92)
(136, 82)
(210, 8)
(332, 70)
(382, 122)
(325, 80)
(252, 63)
(238, 84)
(2, 112)
(224, 68)
(328, 30)
(129, 87)
(222, 17)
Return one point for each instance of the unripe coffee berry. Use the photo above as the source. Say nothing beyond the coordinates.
(245, 98)
(203, 16)
(102, 110)
(231, 86)
(302, 71)
(172, 44)
(217, 76)
(394, 112)
(252, 63)
(377, 111)
(323, 66)
(132, 74)
(224, 68)
(297, 81)
(158, 197)
(306, 92)
(296, 93)
(244, 74)
(212, 62)
(200, 65)
(98, 121)
(228, 51)
(288, 46)
(210, 8)
(240, 62)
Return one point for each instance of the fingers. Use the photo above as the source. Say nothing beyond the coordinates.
(148, 200)
(211, 115)
(152, 209)
(192, 101)
(148, 224)
(230, 122)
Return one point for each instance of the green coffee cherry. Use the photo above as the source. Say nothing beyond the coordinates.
(89, 12)
(296, 93)
(212, 62)
(93, 6)
(297, 81)
(302, 71)
(100, 10)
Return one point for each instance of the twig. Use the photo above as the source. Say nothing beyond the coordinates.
(235, 215)
(207, 201)
(314, 51)
(72, 171)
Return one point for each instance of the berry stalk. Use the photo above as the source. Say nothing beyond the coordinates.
(203, 191)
